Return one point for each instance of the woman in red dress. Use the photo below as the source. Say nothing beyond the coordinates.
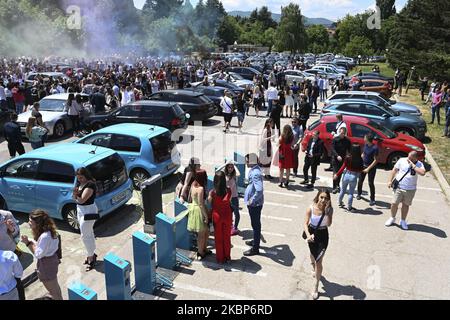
(220, 199)
(286, 154)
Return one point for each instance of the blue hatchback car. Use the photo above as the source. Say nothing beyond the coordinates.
(147, 150)
(45, 178)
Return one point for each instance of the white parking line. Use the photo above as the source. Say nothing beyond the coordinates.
(284, 194)
(244, 248)
(277, 218)
(228, 268)
(268, 233)
(280, 205)
(220, 294)
(271, 217)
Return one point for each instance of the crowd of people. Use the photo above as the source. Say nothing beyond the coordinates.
(115, 84)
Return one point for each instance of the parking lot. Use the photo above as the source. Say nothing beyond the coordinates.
(365, 260)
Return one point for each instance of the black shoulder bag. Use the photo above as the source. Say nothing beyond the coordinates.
(396, 183)
(304, 236)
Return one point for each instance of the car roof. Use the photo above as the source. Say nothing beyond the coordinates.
(134, 129)
(374, 79)
(62, 96)
(77, 154)
(59, 74)
(151, 103)
(353, 100)
(332, 118)
(183, 92)
(361, 93)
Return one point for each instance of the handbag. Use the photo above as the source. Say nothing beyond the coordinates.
(396, 183)
(304, 236)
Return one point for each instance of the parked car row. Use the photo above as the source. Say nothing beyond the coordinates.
(119, 157)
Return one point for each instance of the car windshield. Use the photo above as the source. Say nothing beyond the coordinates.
(237, 76)
(387, 110)
(52, 105)
(388, 133)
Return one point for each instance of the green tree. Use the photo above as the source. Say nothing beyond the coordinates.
(358, 45)
(318, 38)
(421, 38)
(387, 8)
(265, 17)
(228, 31)
(291, 34)
(161, 8)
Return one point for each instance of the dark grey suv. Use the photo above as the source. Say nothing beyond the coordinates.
(396, 121)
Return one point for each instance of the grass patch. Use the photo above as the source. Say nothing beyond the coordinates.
(436, 144)
(385, 70)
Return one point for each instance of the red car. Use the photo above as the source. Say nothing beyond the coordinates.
(392, 146)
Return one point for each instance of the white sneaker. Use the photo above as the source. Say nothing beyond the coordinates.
(390, 222)
(404, 225)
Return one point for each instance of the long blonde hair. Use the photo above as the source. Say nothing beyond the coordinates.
(31, 123)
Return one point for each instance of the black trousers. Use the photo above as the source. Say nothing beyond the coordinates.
(313, 164)
(15, 147)
(296, 162)
(302, 123)
(362, 177)
(336, 166)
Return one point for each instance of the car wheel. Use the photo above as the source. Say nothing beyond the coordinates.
(3, 205)
(59, 130)
(139, 176)
(393, 158)
(97, 126)
(70, 216)
(406, 131)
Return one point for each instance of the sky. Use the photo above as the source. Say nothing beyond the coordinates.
(330, 9)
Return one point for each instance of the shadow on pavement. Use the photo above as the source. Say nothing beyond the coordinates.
(333, 290)
(211, 123)
(117, 222)
(427, 229)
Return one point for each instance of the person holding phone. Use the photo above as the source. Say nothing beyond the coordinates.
(405, 172)
(87, 212)
(45, 247)
(319, 217)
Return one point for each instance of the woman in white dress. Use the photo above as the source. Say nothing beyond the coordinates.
(265, 148)
(289, 102)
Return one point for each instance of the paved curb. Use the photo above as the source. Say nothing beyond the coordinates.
(438, 174)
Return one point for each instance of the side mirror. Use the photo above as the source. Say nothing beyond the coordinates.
(385, 115)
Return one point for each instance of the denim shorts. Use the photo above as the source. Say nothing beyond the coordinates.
(241, 116)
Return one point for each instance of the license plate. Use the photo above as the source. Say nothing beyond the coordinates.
(119, 197)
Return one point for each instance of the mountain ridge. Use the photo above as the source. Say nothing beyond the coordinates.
(277, 18)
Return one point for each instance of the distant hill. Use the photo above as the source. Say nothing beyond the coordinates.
(277, 18)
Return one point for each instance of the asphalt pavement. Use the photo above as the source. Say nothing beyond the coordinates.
(364, 260)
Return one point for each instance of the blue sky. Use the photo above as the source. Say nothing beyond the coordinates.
(330, 9)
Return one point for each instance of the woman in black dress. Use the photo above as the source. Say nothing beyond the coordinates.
(319, 217)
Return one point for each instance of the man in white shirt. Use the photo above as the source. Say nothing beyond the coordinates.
(10, 269)
(227, 109)
(272, 94)
(406, 172)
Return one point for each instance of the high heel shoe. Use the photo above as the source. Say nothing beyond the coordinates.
(200, 256)
(91, 265)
